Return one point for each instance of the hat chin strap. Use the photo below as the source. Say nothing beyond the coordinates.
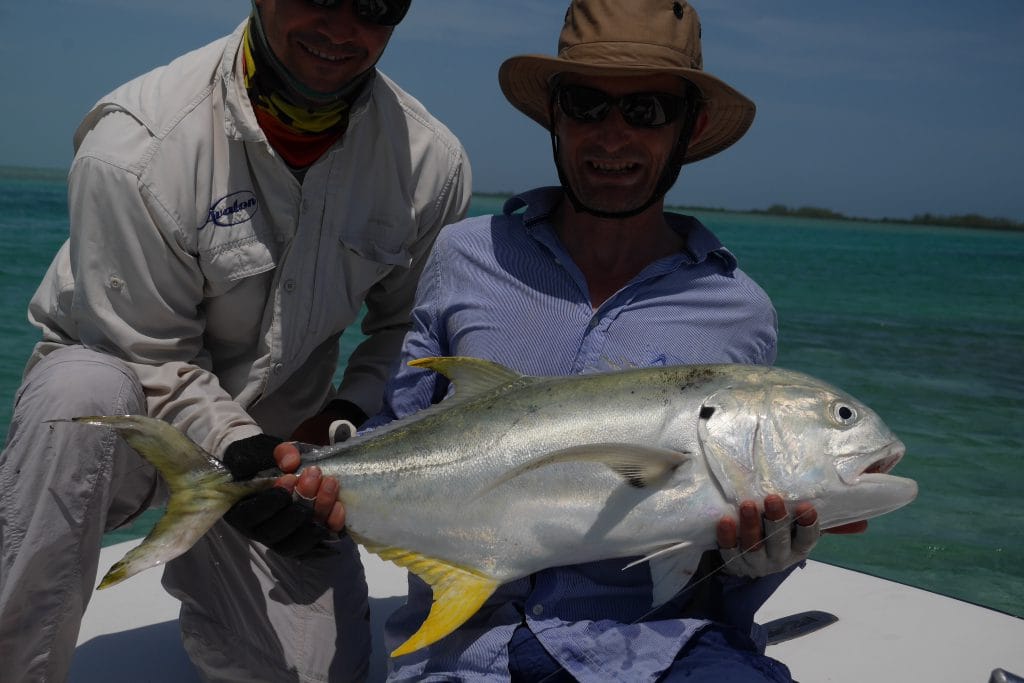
(669, 174)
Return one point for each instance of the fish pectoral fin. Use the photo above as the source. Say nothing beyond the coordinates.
(641, 466)
(471, 376)
(458, 594)
(672, 569)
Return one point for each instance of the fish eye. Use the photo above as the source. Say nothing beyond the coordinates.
(844, 413)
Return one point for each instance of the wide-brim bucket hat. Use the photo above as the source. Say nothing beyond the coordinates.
(627, 38)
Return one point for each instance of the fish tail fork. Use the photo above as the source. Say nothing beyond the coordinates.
(201, 490)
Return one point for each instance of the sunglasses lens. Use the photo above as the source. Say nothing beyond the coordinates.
(583, 104)
(641, 110)
(649, 110)
(381, 12)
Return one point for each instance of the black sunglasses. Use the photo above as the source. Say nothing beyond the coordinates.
(641, 109)
(379, 12)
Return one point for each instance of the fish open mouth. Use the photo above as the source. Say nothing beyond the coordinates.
(886, 461)
(871, 488)
(878, 464)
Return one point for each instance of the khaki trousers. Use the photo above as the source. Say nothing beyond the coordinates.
(247, 614)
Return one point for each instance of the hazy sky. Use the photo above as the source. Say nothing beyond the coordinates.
(872, 108)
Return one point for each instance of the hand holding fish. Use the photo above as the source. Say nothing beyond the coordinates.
(310, 485)
(272, 516)
(759, 549)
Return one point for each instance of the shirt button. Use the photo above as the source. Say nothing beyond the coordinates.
(278, 367)
(537, 610)
(289, 285)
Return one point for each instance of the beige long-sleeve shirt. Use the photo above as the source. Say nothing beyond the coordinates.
(196, 255)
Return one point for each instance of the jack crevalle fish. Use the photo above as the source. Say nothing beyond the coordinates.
(513, 474)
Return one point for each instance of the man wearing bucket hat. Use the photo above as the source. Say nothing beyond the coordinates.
(581, 278)
(231, 214)
(638, 44)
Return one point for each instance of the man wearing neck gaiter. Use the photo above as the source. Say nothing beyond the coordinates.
(231, 214)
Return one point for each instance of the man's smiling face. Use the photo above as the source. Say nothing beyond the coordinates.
(611, 165)
(324, 48)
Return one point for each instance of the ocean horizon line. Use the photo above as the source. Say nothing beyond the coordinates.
(972, 221)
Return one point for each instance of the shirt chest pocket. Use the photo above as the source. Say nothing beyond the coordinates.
(380, 239)
(225, 265)
(375, 249)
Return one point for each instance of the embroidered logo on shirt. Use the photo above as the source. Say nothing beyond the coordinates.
(235, 208)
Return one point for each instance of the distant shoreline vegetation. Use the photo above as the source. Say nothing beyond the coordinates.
(970, 220)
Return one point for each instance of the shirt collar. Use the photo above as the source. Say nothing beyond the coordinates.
(701, 243)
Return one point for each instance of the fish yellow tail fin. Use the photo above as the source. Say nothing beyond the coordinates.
(458, 593)
(201, 490)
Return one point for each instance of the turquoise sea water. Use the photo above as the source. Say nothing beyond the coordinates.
(924, 324)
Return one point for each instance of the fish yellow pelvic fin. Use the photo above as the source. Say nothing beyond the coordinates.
(458, 593)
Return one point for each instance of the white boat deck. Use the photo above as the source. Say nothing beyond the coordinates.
(885, 631)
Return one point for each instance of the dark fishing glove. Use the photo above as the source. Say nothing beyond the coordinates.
(322, 429)
(248, 457)
(271, 517)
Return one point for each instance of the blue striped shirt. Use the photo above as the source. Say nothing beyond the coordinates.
(504, 288)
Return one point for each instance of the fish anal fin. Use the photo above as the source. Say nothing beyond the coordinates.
(458, 593)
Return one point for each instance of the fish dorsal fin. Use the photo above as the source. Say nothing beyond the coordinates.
(471, 376)
(458, 593)
(640, 466)
(620, 363)
(671, 571)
